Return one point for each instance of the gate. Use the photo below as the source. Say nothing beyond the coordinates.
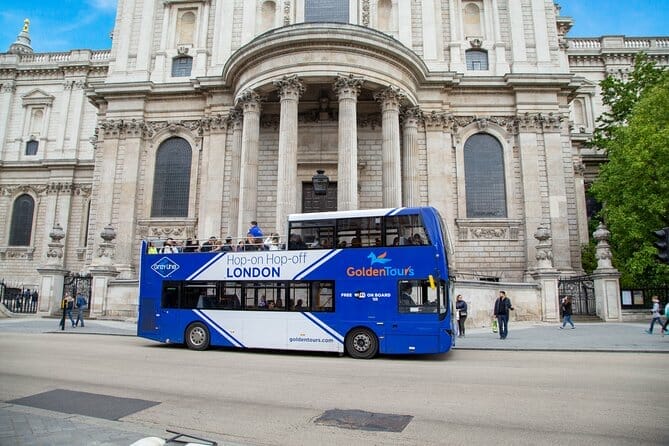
(76, 284)
(582, 291)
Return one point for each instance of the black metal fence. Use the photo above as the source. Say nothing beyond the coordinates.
(18, 299)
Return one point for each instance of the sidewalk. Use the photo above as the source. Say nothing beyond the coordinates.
(23, 425)
(587, 336)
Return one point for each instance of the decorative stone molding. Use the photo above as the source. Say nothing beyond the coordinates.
(182, 50)
(365, 12)
(347, 85)
(390, 96)
(54, 254)
(106, 250)
(8, 190)
(8, 87)
(74, 84)
(603, 250)
(475, 42)
(487, 229)
(162, 229)
(544, 253)
(17, 252)
(286, 12)
(249, 100)
(290, 87)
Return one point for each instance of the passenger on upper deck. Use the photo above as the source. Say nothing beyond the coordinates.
(296, 242)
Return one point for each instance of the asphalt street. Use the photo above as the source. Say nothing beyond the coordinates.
(25, 425)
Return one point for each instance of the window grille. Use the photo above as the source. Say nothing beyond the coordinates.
(484, 177)
(182, 66)
(31, 147)
(477, 60)
(22, 221)
(171, 184)
(326, 11)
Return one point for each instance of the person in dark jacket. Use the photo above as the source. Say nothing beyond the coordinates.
(502, 307)
(566, 312)
(461, 308)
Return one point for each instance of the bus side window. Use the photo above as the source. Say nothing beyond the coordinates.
(416, 296)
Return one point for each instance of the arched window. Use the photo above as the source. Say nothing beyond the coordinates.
(268, 13)
(326, 11)
(484, 177)
(171, 184)
(477, 60)
(31, 147)
(186, 29)
(22, 221)
(384, 11)
(182, 66)
(471, 18)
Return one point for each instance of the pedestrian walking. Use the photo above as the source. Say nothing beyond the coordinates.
(566, 312)
(666, 319)
(655, 314)
(501, 311)
(67, 304)
(461, 308)
(81, 305)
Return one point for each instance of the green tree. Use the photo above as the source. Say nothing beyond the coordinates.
(620, 95)
(634, 184)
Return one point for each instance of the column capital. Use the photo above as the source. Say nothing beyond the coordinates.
(249, 100)
(290, 87)
(347, 86)
(411, 116)
(390, 97)
(235, 117)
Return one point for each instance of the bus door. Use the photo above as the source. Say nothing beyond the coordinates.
(415, 327)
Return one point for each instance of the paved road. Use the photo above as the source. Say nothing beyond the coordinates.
(30, 426)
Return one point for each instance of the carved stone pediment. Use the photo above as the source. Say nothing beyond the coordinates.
(480, 229)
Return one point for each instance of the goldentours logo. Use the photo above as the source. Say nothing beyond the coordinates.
(165, 267)
(378, 268)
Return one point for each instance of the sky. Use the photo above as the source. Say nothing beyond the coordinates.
(63, 25)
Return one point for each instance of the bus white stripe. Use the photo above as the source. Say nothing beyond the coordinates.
(324, 326)
(219, 329)
(205, 266)
(316, 264)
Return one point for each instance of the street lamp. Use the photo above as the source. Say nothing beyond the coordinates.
(320, 182)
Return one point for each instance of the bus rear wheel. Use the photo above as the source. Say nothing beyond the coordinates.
(361, 343)
(197, 336)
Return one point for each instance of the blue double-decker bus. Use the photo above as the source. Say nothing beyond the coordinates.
(362, 282)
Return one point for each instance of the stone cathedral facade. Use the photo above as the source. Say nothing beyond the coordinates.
(207, 114)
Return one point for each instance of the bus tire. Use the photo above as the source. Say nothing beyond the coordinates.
(197, 336)
(361, 343)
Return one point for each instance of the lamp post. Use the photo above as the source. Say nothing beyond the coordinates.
(320, 182)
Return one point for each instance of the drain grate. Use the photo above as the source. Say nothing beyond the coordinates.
(362, 420)
(83, 403)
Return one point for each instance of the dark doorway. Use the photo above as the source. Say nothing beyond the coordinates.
(319, 203)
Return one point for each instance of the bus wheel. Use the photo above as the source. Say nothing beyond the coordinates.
(361, 343)
(197, 336)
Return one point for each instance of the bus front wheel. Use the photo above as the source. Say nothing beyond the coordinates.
(361, 343)
(197, 336)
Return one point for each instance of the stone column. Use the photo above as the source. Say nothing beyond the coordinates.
(533, 204)
(210, 212)
(235, 168)
(248, 175)
(546, 275)
(347, 89)
(606, 279)
(102, 270)
(290, 90)
(410, 177)
(390, 99)
(52, 274)
(7, 89)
